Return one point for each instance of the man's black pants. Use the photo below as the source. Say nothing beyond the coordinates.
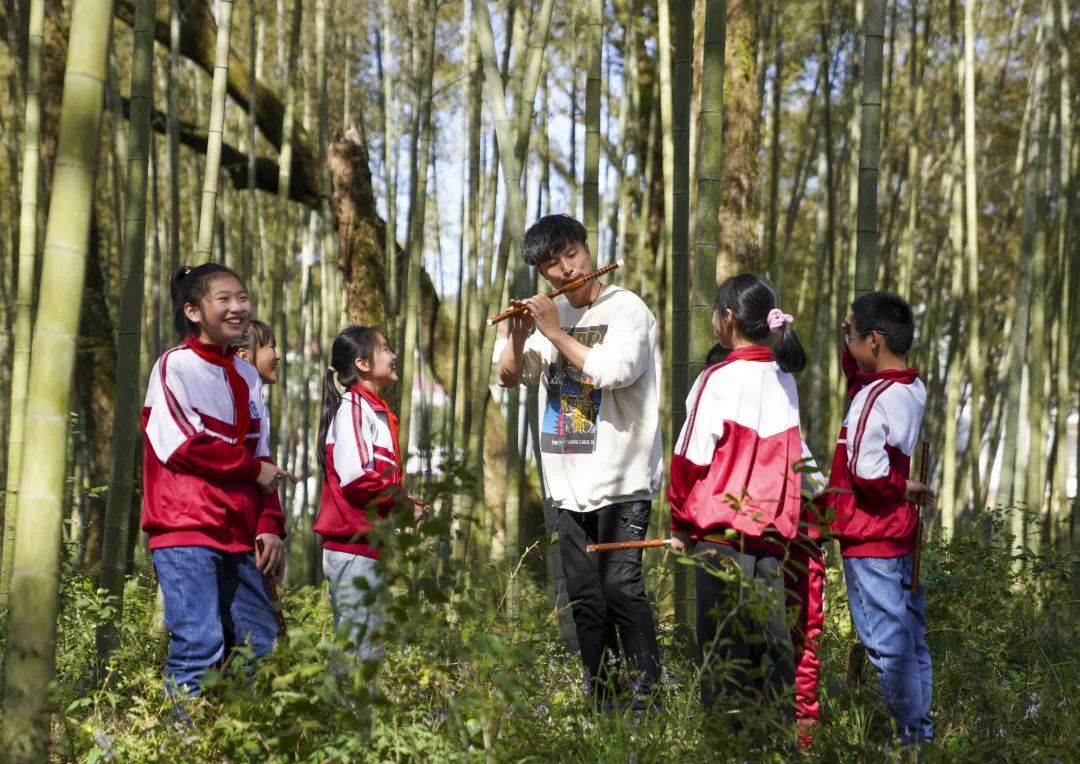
(607, 589)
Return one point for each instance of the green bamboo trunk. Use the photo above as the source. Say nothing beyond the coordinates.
(126, 439)
(971, 256)
(1060, 508)
(390, 256)
(915, 110)
(24, 295)
(282, 255)
(1038, 358)
(215, 133)
(173, 107)
(710, 166)
(680, 243)
(677, 321)
(251, 207)
(590, 187)
(1033, 215)
(31, 647)
(775, 264)
(530, 63)
(513, 232)
(407, 362)
(949, 488)
(866, 252)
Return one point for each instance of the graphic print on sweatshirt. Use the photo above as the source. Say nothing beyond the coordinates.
(573, 402)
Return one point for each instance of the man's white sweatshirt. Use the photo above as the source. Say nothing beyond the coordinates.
(600, 427)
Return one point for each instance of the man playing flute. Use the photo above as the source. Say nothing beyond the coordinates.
(595, 355)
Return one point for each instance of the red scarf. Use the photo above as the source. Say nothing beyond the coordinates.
(224, 358)
(378, 404)
(751, 353)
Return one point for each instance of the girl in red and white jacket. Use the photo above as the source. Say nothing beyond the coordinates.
(736, 495)
(209, 488)
(362, 470)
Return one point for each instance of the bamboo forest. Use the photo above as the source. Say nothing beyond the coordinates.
(302, 462)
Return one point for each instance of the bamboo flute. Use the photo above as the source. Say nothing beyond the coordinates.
(517, 309)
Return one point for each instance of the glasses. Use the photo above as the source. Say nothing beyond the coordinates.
(847, 337)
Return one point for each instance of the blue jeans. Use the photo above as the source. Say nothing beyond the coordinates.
(210, 596)
(891, 623)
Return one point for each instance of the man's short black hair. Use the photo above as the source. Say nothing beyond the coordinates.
(887, 313)
(549, 236)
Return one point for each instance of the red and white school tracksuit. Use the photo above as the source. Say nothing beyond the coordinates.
(363, 471)
(872, 462)
(734, 467)
(206, 431)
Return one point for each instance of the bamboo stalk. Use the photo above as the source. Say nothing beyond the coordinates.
(31, 647)
(126, 438)
(215, 134)
(24, 296)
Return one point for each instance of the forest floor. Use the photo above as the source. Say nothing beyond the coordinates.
(467, 677)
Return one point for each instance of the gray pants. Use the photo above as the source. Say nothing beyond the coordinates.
(355, 594)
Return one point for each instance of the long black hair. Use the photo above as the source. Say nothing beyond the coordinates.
(189, 286)
(352, 342)
(750, 297)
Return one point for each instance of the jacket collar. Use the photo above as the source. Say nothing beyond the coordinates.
(863, 378)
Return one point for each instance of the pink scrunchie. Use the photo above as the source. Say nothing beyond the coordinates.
(777, 318)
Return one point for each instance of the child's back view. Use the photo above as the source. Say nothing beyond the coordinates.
(876, 504)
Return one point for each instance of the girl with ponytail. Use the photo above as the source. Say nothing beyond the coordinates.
(361, 465)
(736, 495)
(209, 487)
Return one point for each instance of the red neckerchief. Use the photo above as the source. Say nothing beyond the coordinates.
(378, 404)
(864, 378)
(751, 353)
(215, 355)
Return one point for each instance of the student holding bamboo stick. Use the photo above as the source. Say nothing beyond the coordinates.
(595, 355)
(876, 505)
(736, 498)
(209, 487)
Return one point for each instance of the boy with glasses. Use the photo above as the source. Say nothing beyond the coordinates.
(876, 505)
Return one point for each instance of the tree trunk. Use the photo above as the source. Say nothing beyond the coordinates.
(24, 296)
(33, 598)
(866, 251)
(740, 197)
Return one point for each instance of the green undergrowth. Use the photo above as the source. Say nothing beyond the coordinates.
(467, 677)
